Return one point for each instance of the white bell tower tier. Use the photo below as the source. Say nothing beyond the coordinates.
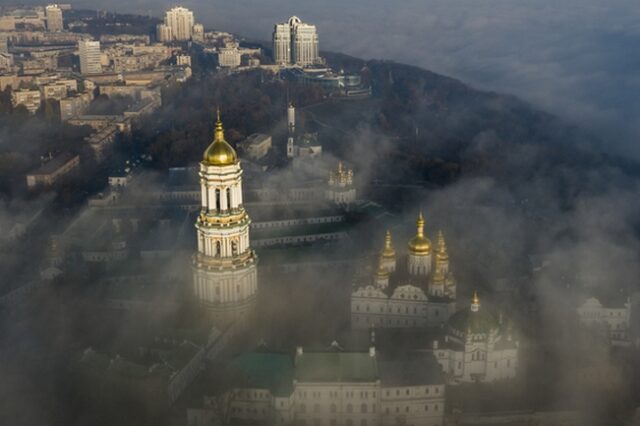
(225, 273)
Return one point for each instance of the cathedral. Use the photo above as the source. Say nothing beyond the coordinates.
(417, 292)
(341, 190)
(225, 266)
(477, 346)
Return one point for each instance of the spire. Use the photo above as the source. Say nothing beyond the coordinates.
(219, 132)
(442, 247)
(420, 225)
(475, 302)
(388, 251)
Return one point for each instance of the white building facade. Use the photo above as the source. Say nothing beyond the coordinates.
(295, 43)
(55, 22)
(477, 347)
(418, 293)
(225, 274)
(90, 60)
(613, 320)
(180, 21)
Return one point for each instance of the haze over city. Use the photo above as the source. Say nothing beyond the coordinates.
(319, 214)
(576, 58)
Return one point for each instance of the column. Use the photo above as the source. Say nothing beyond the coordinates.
(211, 199)
(203, 195)
(223, 199)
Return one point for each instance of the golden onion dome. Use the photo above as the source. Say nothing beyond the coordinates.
(219, 153)
(420, 244)
(388, 252)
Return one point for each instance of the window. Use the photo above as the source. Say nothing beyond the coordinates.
(303, 408)
(407, 392)
(406, 409)
(363, 408)
(349, 422)
(426, 408)
(334, 408)
(363, 422)
(437, 389)
(316, 408)
(349, 408)
(435, 407)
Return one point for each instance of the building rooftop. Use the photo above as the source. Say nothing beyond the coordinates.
(53, 165)
(336, 366)
(266, 370)
(411, 370)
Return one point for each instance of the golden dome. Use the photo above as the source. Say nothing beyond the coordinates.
(388, 252)
(219, 153)
(420, 244)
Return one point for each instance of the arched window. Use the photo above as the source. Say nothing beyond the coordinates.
(234, 248)
(217, 206)
(218, 252)
(228, 198)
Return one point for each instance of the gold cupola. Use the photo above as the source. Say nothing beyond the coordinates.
(420, 244)
(388, 252)
(219, 153)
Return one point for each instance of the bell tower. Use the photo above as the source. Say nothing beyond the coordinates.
(224, 266)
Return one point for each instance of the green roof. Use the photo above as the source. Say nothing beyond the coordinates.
(264, 370)
(336, 367)
(480, 322)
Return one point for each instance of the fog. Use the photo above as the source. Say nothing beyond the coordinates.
(576, 58)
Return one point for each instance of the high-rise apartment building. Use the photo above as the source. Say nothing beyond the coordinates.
(163, 33)
(89, 52)
(54, 18)
(295, 42)
(180, 20)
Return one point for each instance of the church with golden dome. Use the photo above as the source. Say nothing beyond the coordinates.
(478, 346)
(224, 266)
(409, 290)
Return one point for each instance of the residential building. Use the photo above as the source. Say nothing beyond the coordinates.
(89, 52)
(180, 20)
(51, 171)
(257, 145)
(295, 43)
(75, 105)
(53, 14)
(163, 33)
(30, 98)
